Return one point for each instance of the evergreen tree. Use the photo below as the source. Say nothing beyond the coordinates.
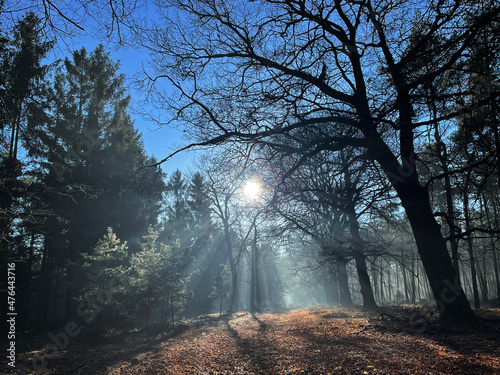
(104, 268)
(23, 119)
(203, 250)
(156, 281)
(178, 216)
(222, 286)
(96, 168)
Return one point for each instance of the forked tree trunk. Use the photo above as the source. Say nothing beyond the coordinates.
(449, 296)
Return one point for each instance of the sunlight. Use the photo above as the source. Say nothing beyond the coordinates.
(251, 189)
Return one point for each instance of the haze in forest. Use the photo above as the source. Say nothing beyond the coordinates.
(342, 154)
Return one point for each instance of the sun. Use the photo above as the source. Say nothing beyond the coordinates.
(251, 189)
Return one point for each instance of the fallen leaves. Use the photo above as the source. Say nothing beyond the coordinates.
(307, 341)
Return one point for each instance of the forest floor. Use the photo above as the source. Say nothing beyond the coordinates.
(316, 340)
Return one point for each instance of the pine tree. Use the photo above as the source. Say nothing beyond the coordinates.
(96, 171)
(222, 286)
(178, 217)
(201, 224)
(104, 268)
(203, 250)
(156, 281)
(23, 116)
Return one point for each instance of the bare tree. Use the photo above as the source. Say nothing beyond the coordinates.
(321, 199)
(224, 182)
(111, 20)
(267, 72)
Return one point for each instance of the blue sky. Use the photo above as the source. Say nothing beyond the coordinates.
(159, 141)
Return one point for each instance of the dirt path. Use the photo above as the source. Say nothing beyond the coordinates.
(308, 341)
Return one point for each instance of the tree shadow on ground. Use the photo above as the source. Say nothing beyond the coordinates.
(324, 352)
(481, 338)
(372, 354)
(247, 348)
(84, 355)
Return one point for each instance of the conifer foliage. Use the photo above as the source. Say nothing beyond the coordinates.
(156, 281)
(72, 167)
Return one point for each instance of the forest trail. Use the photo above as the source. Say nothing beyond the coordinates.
(307, 341)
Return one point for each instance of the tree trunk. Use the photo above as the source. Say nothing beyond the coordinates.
(330, 286)
(70, 283)
(165, 313)
(365, 283)
(405, 279)
(253, 275)
(45, 281)
(448, 294)
(344, 292)
(493, 245)
(221, 301)
(443, 156)
(232, 267)
(357, 243)
(483, 282)
(397, 293)
(470, 248)
(25, 315)
(331, 292)
(373, 270)
(495, 270)
(381, 281)
(9, 173)
(56, 290)
(413, 283)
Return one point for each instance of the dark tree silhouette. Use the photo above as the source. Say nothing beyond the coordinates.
(255, 73)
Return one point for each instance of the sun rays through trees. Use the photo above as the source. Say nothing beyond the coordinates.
(346, 154)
